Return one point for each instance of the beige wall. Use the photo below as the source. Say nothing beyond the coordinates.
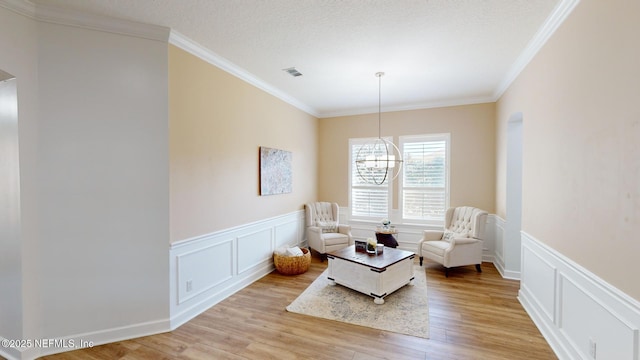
(581, 166)
(472, 129)
(217, 124)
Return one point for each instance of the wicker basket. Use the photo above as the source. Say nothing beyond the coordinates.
(292, 265)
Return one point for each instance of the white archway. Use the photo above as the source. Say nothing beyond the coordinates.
(511, 239)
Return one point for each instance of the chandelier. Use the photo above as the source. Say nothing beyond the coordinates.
(379, 160)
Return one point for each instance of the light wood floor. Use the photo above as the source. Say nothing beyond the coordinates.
(472, 316)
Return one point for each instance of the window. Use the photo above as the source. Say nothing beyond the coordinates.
(424, 189)
(368, 201)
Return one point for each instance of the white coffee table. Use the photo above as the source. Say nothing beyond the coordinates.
(373, 275)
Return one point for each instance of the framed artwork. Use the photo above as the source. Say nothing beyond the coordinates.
(275, 171)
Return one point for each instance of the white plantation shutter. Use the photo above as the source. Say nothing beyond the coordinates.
(368, 201)
(425, 178)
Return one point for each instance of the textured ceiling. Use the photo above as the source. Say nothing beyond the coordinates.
(434, 52)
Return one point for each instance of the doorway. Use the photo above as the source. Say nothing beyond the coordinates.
(10, 241)
(511, 239)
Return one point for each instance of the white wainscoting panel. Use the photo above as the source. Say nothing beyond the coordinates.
(288, 233)
(204, 269)
(207, 269)
(539, 283)
(495, 229)
(615, 338)
(580, 315)
(409, 235)
(254, 248)
(489, 246)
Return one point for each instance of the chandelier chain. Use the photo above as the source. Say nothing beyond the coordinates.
(380, 75)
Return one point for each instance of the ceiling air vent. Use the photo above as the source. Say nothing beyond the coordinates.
(293, 71)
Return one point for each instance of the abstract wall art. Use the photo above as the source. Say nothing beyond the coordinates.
(275, 171)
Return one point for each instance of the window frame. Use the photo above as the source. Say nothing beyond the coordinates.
(403, 140)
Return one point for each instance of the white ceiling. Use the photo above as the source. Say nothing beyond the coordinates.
(433, 52)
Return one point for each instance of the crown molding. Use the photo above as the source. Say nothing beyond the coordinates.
(61, 16)
(56, 15)
(192, 47)
(557, 17)
(410, 107)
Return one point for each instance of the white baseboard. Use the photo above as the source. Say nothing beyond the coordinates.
(207, 269)
(11, 353)
(505, 273)
(576, 311)
(79, 341)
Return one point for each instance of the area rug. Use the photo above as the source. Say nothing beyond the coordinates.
(404, 311)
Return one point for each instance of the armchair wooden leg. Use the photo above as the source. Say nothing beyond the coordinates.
(478, 268)
(421, 258)
(323, 257)
(446, 272)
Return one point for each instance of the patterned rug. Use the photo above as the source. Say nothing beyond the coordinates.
(404, 311)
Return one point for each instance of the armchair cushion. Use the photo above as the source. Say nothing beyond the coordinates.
(436, 247)
(450, 235)
(327, 226)
(331, 239)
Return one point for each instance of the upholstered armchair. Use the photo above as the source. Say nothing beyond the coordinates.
(459, 243)
(324, 233)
